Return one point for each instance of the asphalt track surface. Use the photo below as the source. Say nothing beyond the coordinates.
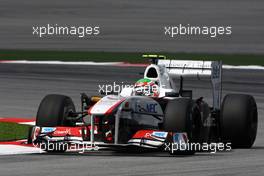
(23, 86)
(136, 25)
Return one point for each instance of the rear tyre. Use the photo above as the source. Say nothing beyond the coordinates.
(239, 120)
(54, 110)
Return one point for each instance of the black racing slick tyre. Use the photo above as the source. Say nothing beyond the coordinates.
(54, 110)
(178, 116)
(239, 120)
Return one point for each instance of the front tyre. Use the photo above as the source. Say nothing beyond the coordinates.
(179, 118)
(54, 110)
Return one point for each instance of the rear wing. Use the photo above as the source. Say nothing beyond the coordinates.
(186, 68)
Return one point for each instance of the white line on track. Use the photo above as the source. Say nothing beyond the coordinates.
(7, 149)
(28, 123)
(247, 67)
(59, 62)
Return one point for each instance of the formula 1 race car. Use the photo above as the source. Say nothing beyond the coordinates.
(150, 115)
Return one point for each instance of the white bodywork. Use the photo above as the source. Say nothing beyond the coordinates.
(162, 73)
(105, 104)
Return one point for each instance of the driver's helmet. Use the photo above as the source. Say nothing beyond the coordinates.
(146, 87)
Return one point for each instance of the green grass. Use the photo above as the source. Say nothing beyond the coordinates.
(13, 131)
(232, 59)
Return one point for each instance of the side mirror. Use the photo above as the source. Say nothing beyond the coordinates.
(127, 107)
